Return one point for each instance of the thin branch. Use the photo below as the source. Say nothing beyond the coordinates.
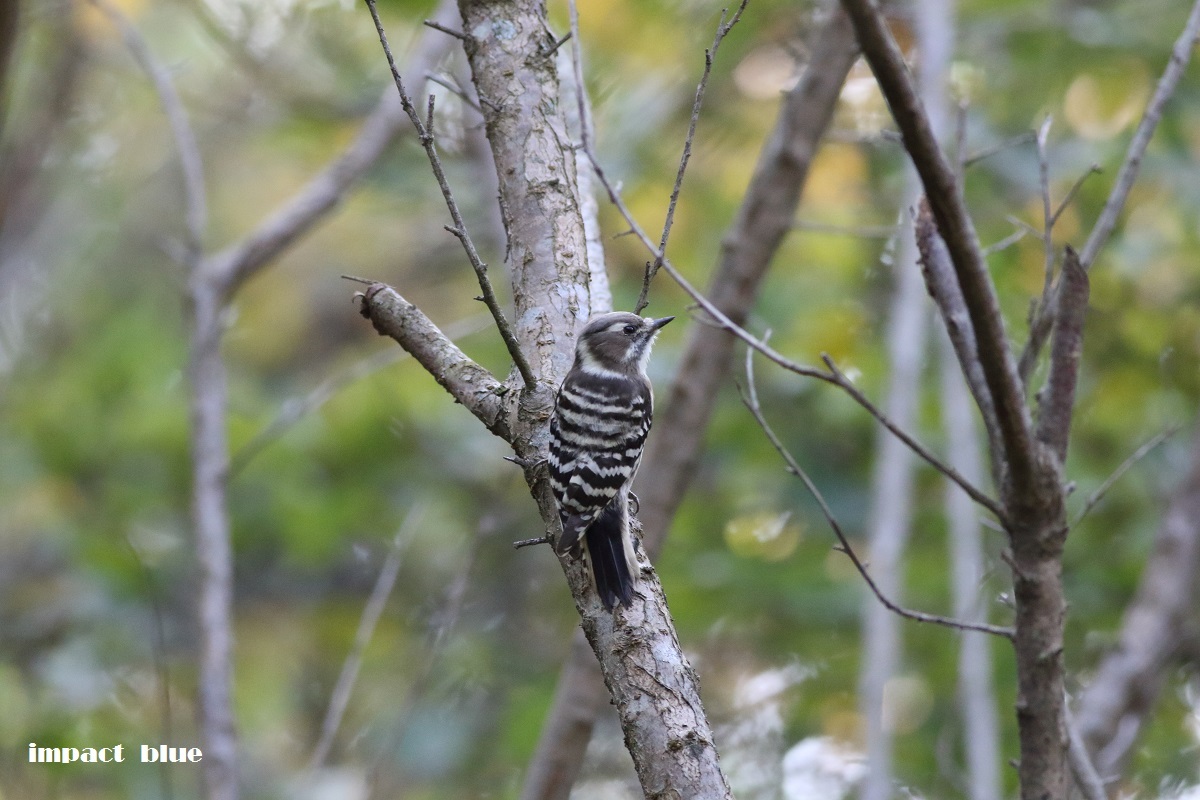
(559, 43)
(517, 545)
(1041, 321)
(947, 296)
(339, 698)
(987, 152)
(459, 230)
(1095, 497)
(1043, 135)
(1087, 779)
(958, 231)
(1181, 53)
(454, 89)
(188, 151)
(581, 99)
(1094, 169)
(1057, 402)
(437, 26)
(750, 399)
(1041, 313)
(1006, 242)
(467, 382)
(709, 55)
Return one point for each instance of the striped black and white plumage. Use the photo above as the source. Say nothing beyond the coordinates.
(599, 427)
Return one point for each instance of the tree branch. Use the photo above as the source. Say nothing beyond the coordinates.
(209, 449)
(1134, 457)
(1181, 53)
(947, 296)
(957, 230)
(467, 382)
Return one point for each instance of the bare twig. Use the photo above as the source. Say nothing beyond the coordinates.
(459, 229)
(1006, 242)
(1043, 135)
(947, 296)
(750, 399)
(1094, 169)
(437, 26)
(517, 545)
(1095, 497)
(454, 89)
(188, 151)
(1086, 776)
(339, 698)
(987, 152)
(1181, 53)
(710, 54)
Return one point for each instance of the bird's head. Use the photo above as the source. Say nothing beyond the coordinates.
(617, 342)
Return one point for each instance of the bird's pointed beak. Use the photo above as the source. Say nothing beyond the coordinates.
(659, 323)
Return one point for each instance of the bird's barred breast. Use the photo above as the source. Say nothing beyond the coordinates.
(597, 433)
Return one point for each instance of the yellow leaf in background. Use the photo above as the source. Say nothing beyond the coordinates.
(95, 24)
(837, 178)
(1101, 104)
(768, 535)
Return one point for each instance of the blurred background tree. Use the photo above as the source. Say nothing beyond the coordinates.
(97, 640)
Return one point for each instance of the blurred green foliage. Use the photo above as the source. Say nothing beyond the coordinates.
(96, 575)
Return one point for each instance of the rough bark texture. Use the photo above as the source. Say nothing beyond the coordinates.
(510, 49)
(673, 452)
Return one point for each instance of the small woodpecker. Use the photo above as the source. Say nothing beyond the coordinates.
(599, 426)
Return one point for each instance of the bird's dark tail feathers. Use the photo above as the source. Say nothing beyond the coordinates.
(610, 550)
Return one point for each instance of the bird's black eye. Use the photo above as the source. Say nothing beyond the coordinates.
(630, 330)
